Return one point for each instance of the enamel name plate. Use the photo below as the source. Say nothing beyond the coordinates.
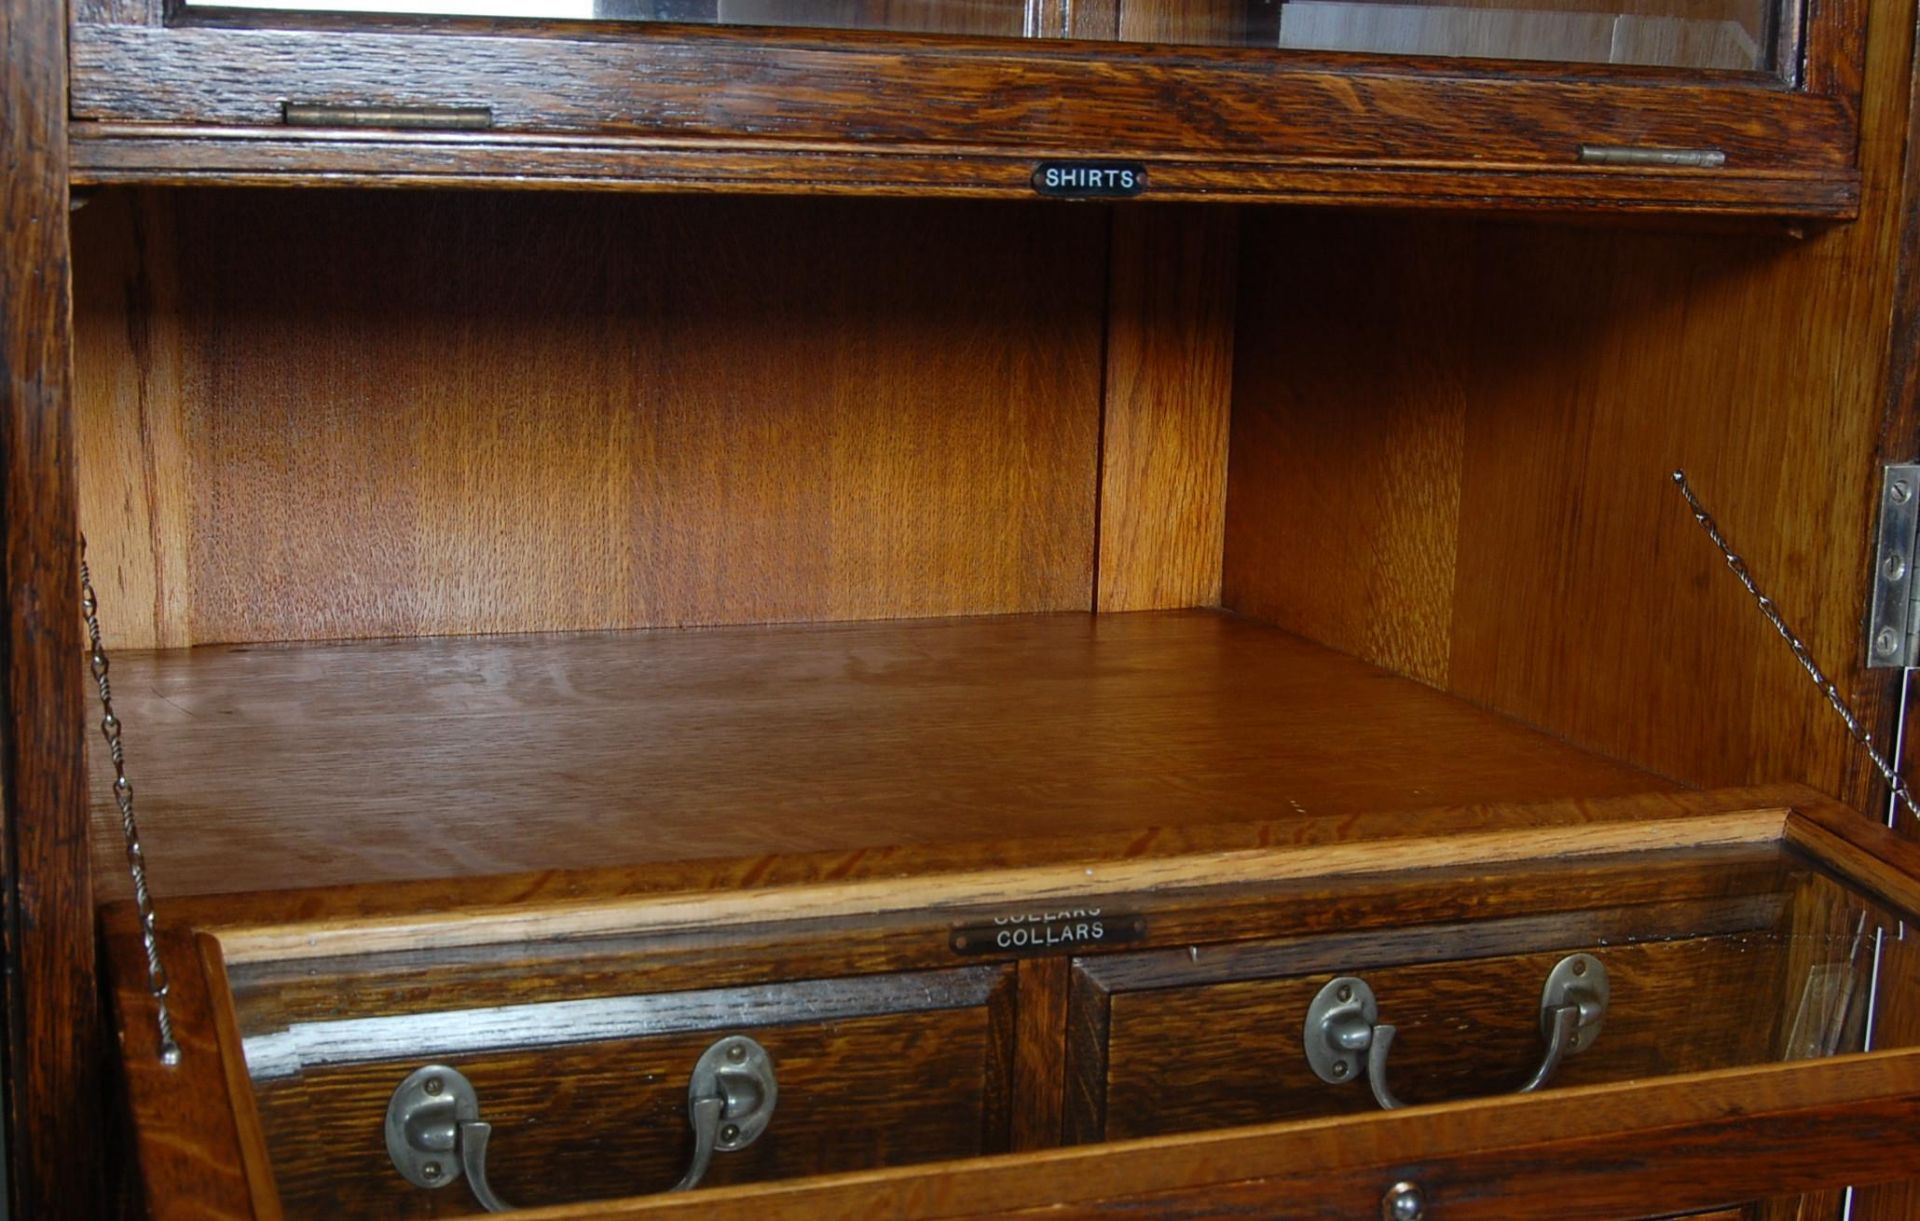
(1090, 179)
(1046, 932)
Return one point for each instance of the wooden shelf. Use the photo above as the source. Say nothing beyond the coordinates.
(278, 766)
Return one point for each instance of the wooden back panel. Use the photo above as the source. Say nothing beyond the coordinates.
(1451, 446)
(348, 415)
(1451, 455)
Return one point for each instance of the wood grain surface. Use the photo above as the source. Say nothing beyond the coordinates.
(1739, 910)
(1230, 925)
(334, 421)
(1040, 1067)
(54, 1049)
(1483, 502)
(567, 77)
(254, 1158)
(1591, 1153)
(608, 1119)
(1169, 383)
(1177, 1057)
(1871, 858)
(306, 765)
(194, 1164)
(1227, 107)
(1670, 814)
(1157, 990)
(189, 155)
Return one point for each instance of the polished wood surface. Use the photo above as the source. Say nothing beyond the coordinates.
(892, 1089)
(1869, 856)
(54, 1049)
(691, 913)
(1154, 1037)
(1529, 902)
(1040, 1068)
(1588, 1153)
(178, 155)
(332, 420)
(306, 765)
(1466, 1030)
(1378, 128)
(1169, 384)
(255, 1159)
(1739, 820)
(194, 1163)
(1645, 898)
(1460, 912)
(1452, 440)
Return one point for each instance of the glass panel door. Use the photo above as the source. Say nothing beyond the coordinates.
(1725, 35)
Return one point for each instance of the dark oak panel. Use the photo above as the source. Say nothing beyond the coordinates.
(184, 156)
(1178, 1057)
(1587, 1154)
(53, 1052)
(1324, 931)
(949, 92)
(1707, 964)
(834, 110)
(608, 1119)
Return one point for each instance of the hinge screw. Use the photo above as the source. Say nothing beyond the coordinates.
(1887, 642)
(1898, 492)
(1404, 1202)
(1894, 566)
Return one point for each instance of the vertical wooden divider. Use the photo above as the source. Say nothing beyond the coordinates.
(1039, 1079)
(131, 400)
(53, 1049)
(1169, 384)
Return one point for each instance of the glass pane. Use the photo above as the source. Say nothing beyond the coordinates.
(1731, 35)
(1736, 35)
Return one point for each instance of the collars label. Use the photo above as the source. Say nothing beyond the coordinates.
(1048, 932)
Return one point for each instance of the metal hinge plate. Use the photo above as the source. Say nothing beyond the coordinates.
(1895, 615)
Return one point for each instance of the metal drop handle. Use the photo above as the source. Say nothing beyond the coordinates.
(1343, 1022)
(435, 1135)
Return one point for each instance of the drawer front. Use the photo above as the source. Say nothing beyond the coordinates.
(609, 1117)
(1185, 1059)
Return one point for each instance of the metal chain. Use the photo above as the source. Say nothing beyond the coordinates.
(129, 828)
(1800, 650)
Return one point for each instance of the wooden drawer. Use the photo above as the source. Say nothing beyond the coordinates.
(908, 1068)
(1186, 1059)
(1173, 1060)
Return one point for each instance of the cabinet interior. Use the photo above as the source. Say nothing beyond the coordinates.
(1412, 471)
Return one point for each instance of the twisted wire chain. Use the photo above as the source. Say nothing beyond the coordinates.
(1800, 651)
(129, 828)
